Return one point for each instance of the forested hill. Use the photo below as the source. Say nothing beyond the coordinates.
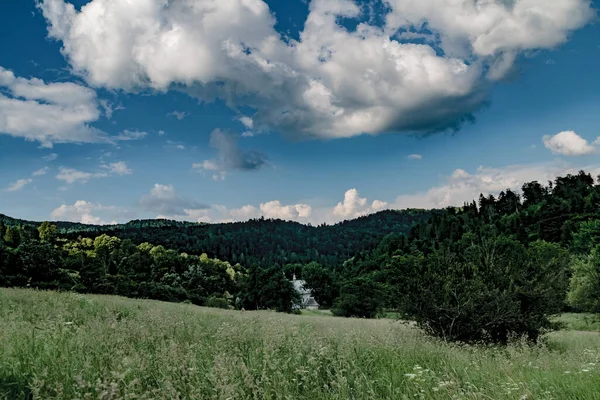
(259, 241)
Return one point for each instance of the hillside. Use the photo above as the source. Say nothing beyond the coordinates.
(258, 241)
(61, 345)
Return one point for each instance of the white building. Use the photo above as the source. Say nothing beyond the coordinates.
(306, 299)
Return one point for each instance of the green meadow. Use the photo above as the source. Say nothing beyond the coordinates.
(72, 346)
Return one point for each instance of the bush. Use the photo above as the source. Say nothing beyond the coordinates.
(156, 291)
(217, 302)
(584, 291)
(491, 288)
(359, 298)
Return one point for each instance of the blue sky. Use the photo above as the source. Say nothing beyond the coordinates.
(312, 111)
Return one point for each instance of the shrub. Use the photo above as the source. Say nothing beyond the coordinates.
(489, 289)
(359, 297)
(584, 290)
(217, 302)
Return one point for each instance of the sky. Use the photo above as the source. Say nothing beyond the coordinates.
(313, 111)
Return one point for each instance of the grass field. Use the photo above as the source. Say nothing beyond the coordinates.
(70, 346)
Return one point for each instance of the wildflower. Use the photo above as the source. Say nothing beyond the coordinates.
(410, 376)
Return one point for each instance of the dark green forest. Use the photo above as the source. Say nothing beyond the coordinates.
(487, 271)
(265, 242)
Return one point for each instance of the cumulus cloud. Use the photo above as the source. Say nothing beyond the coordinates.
(247, 122)
(163, 200)
(333, 81)
(355, 206)
(18, 185)
(72, 175)
(117, 168)
(569, 143)
(415, 157)
(230, 157)
(272, 209)
(48, 113)
(52, 113)
(275, 210)
(87, 213)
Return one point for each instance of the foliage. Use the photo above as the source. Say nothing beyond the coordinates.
(259, 241)
(217, 302)
(584, 292)
(322, 283)
(359, 297)
(489, 289)
(487, 271)
(109, 265)
(267, 289)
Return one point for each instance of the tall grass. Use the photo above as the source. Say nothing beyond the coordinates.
(70, 346)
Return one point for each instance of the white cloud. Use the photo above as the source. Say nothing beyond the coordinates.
(117, 168)
(275, 210)
(161, 132)
(230, 156)
(174, 145)
(171, 206)
(247, 122)
(130, 135)
(163, 200)
(180, 115)
(331, 83)
(355, 206)
(493, 28)
(50, 157)
(109, 108)
(378, 205)
(40, 172)
(415, 157)
(48, 113)
(72, 175)
(568, 143)
(83, 212)
(18, 185)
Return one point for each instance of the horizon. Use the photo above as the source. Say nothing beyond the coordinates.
(309, 111)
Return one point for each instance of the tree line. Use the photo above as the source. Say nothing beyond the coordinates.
(264, 242)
